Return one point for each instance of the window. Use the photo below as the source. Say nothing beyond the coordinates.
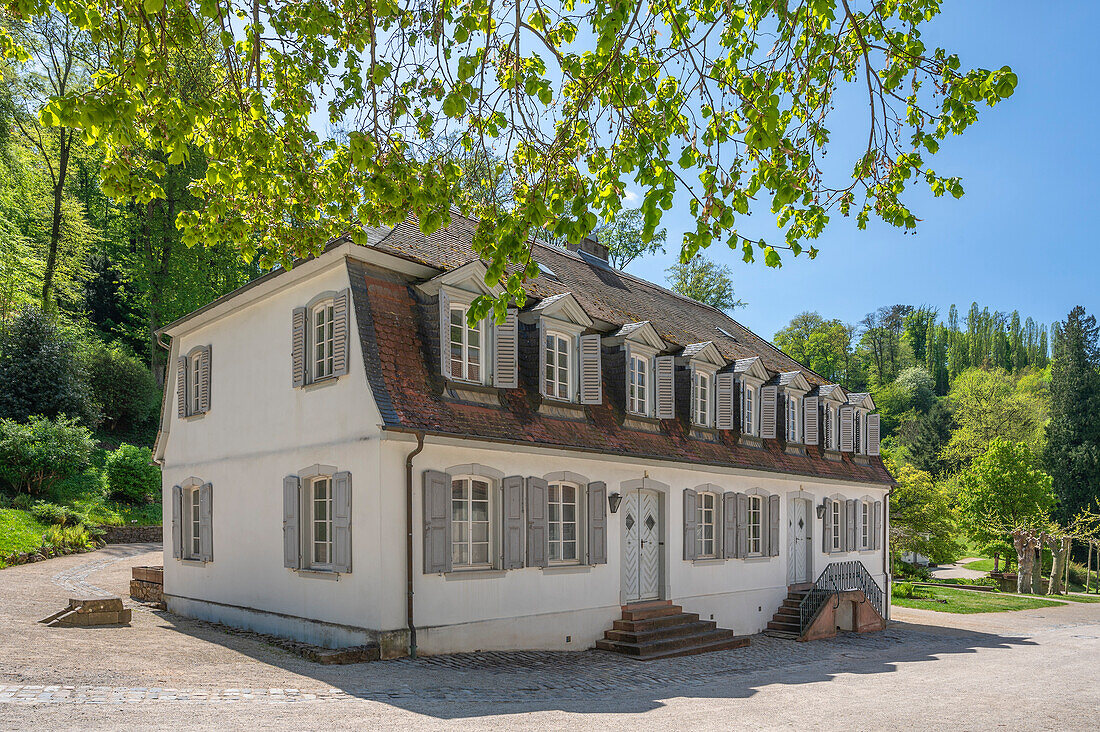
(706, 526)
(702, 398)
(465, 347)
(320, 522)
(323, 334)
(564, 499)
(756, 525)
(470, 527)
(559, 366)
(792, 420)
(194, 384)
(838, 540)
(638, 396)
(194, 524)
(865, 520)
(750, 412)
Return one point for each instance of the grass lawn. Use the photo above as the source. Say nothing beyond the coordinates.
(982, 565)
(1071, 598)
(969, 601)
(19, 532)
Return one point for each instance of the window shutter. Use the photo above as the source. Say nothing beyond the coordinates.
(809, 420)
(846, 429)
(693, 402)
(858, 517)
(729, 525)
(437, 522)
(724, 404)
(444, 342)
(591, 370)
(177, 522)
(827, 527)
(746, 428)
(876, 536)
(542, 356)
(292, 501)
(181, 387)
(691, 520)
(298, 347)
(773, 526)
(204, 380)
(341, 521)
(506, 364)
(206, 523)
(872, 434)
(538, 543)
(340, 333)
(850, 525)
(512, 518)
(666, 386)
(597, 522)
(742, 525)
(767, 412)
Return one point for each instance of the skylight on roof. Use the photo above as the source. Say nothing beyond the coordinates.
(546, 270)
(724, 332)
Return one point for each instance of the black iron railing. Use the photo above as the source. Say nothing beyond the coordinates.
(836, 578)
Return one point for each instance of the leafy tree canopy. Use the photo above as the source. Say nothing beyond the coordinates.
(824, 346)
(705, 281)
(625, 240)
(988, 405)
(1003, 488)
(922, 517)
(727, 105)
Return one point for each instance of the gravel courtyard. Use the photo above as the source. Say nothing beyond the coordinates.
(1036, 668)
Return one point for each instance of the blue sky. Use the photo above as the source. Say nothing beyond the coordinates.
(1023, 237)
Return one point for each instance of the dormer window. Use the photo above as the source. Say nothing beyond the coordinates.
(558, 377)
(324, 339)
(703, 360)
(638, 394)
(702, 399)
(794, 424)
(749, 410)
(465, 347)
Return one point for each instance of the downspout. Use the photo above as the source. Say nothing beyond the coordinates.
(409, 542)
(886, 554)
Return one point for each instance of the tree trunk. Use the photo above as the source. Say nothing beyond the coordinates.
(996, 562)
(55, 224)
(1037, 569)
(1025, 560)
(1059, 548)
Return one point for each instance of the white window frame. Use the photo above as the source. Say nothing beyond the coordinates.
(707, 516)
(192, 540)
(552, 387)
(702, 398)
(750, 407)
(321, 363)
(555, 519)
(309, 511)
(837, 525)
(755, 525)
(865, 529)
(194, 384)
(492, 486)
(463, 374)
(639, 403)
(794, 419)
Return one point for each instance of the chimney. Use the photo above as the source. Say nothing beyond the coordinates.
(589, 246)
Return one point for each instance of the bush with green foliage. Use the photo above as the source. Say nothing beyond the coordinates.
(51, 513)
(37, 454)
(67, 538)
(905, 570)
(131, 474)
(122, 386)
(40, 373)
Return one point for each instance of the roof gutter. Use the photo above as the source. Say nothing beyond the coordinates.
(409, 542)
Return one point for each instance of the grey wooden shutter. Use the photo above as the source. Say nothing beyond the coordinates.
(506, 354)
(767, 412)
(177, 522)
(597, 522)
(292, 503)
(724, 401)
(872, 434)
(445, 339)
(858, 517)
(746, 426)
(742, 525)
(437, 522)
(664, 367)
(691, 522)
(206, 522)
(512, 518)
(181, 387)
(850, 525)
(729, 524)
(542, 356)
(298, 347)
(591, 370)
(204, 380)
(876, 538)
(538, 541)
(341, 521)
(827, 527)
(847, 429)
(340, 333)
(773, 526)
(810, 420)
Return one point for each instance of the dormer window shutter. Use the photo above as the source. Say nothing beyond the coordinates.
(591, 370)
(340, 333)
(665, 386)
(872, 434)
(767, 412)
(444, 334)
(809, 420)
(724, 399)
(298, 347)
(847, 429)
(506, 363)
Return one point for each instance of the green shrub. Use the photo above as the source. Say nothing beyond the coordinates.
(131, 474)
(37, 454)
(67, 537)
(40, 372)
(51, 513)
(23, 502)
(905, 570)
(124, 388)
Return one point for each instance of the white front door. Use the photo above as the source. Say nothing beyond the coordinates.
(798, 542)
(641, 574)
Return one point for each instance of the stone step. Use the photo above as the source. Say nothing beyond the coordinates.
(788, 615)
(787, 602)
(781, 634)
(701, 645)
(668, 631)
(649, 611)
(667, 645)
(784, 626)
(653, 623)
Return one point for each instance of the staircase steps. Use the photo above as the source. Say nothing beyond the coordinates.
(787, 621)
(663, 630)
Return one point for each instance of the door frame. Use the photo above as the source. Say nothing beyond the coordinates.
(660, 490)
(808, 498)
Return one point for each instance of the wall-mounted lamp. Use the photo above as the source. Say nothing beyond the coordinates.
(821, 510)
(613, 502)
